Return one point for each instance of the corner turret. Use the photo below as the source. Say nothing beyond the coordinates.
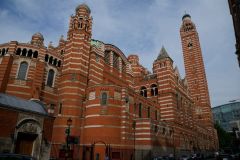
(37, 39)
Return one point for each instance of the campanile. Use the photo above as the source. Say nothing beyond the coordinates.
(195, 71)
(74, 77)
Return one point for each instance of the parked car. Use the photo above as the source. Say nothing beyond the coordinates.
(184, 157)
(224, 157)
(12, 156)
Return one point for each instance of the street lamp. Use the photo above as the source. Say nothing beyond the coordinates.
(174, 150)
(134, 130)
(51, 110)
(69, 123)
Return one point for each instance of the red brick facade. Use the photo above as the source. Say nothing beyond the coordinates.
(111, 98)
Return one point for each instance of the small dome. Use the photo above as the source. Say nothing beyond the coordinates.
(83, 6)
(185, 16)
(39, 35)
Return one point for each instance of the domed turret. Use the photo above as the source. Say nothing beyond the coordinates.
(61, 41)
(37, 39)
(83, 6)
(133, 59)
(187, 24)
(186, 16)
(50, 45)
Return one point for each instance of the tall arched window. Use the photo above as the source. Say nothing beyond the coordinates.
(104, 98)
(156, 114)
(50, 78)
(46, 57)
(154, 90)
(149, 112)
(140, 110)
(143, 91)
(22, 72)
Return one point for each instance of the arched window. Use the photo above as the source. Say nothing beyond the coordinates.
(143, 91)
(29, 53)
(22, 72)
(115, 61)
(149, 112)
(104, 98)
(154, 90)
(50, 78)
(3, 51)
(156, 115)
(18, 51)
(59, 63)
(24, 52)
(55, 62)
(35, 54)
(140, 110)
(46, 57)
(107, 57)
(50, 60)
(80, 24)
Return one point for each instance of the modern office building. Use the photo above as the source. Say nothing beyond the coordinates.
(228, 116)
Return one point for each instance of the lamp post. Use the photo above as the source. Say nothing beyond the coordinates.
(51, 110)
(69, 123)
(134, 130)
(174, 150)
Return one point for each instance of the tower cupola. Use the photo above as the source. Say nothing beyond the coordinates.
(81, 22)
(83, 7)
(186, 16)
(187, 24)
(37, 39)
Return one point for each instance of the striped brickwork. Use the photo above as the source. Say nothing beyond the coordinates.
(112, 99)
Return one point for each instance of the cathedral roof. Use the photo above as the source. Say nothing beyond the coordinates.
(163, 54)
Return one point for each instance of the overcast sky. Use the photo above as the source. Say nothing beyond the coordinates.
(139, 27)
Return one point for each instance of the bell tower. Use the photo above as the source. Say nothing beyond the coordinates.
(195, 71)
(74, 77)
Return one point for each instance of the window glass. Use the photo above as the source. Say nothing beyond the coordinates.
(50, 78)
(104, 98)
(22, 71)
(143, 91)
(140, 110)
(149, 112)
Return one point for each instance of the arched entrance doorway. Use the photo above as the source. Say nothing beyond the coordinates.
(98, 152)
(27, 137)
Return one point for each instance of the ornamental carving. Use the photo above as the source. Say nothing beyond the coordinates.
(29, 127)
